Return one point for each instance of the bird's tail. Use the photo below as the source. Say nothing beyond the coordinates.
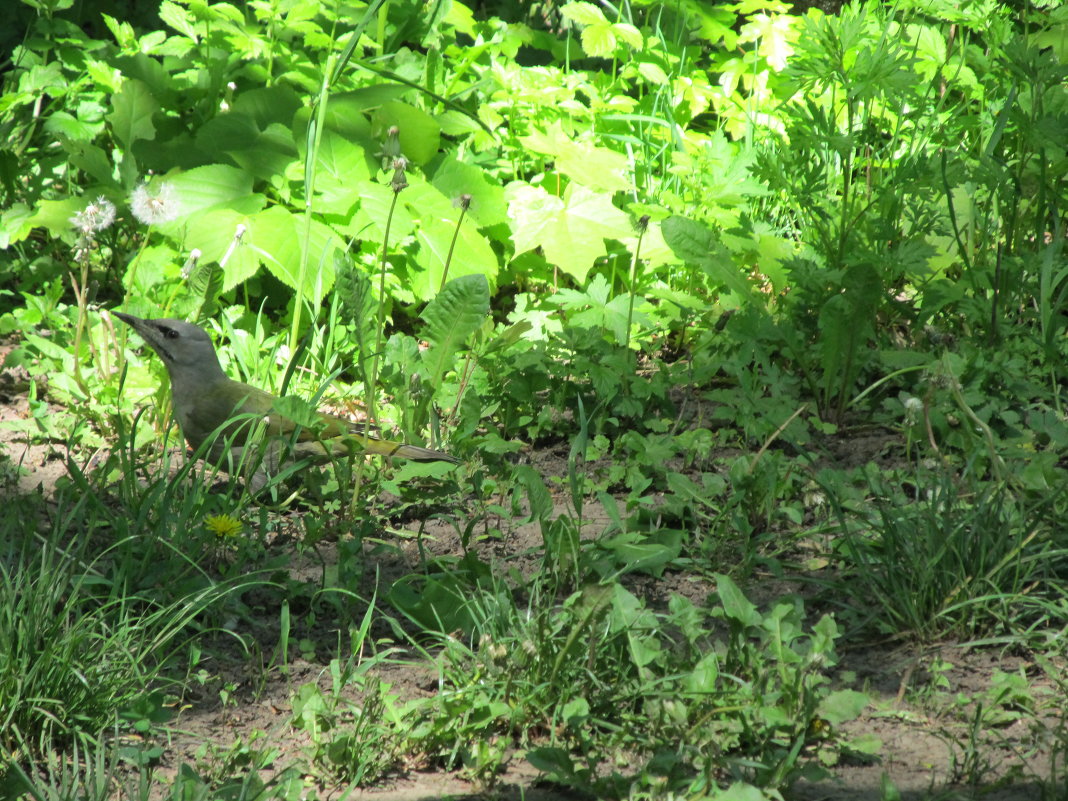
(360, 443)
(414, 452)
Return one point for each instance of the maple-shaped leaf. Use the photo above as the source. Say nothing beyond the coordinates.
(570, 230)
(596, 308)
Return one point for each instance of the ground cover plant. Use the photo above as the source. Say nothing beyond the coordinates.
(746, 323)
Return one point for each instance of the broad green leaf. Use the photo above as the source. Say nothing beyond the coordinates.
(92, 160)
(690, 240)
(508, 337)
(373, 214)
(583, 13)
(208, 187)
(471, 254)
(843, 705)
(595, 167)
(695, 244)
(575, 712)
(213, 233)
(703, 677)
(277, 235)
(629, 34)
(653, 73)
(15, 224)
(456, 123)
(131, 116)
(455, 178)
(55, 214)
(571, 230)
(736, 606)
(178, 18)
(225, 132)
(268, 105)
(358, 102)
(65, 126)
(454, 315)
(598, 41)
(419, 133)
(268, 155)
(436, 217)
(149, 268)
(539, 499)
(340, 165)
(592, 166)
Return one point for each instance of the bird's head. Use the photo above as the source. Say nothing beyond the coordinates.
(182, 346)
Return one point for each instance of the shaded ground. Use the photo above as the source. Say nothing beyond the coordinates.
(925, 746)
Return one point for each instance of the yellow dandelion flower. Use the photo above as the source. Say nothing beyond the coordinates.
(223, 526)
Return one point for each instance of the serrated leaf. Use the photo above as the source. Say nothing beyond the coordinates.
(689, 239)
(131, 116)
(372, 217)
(454, 315)
(598, 41)
(178, 18)
(539, 498)
(277, 236)
(653, 73)
(55, 214)
(629, 34)
(269, 104)
(339, 163)
(90, 159)
(583, 13)
(207, 187)
(571, 230)
(695, 244)
(353, 289)
(584, 162)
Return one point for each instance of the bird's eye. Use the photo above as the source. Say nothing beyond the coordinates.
(170, 333)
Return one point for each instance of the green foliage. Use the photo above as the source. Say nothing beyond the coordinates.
(692, 256)
(944, 560)
(85, 640)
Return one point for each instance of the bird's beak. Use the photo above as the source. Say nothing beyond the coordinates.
(142, 328)
(129, 319)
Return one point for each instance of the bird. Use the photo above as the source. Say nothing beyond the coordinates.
(208, 403)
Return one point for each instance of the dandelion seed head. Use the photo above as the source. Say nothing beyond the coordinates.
(97, 216)
(913, 409)
(155, 204)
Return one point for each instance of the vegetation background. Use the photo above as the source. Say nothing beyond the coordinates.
(746, 320)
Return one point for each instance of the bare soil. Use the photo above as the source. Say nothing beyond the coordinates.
(924, 745)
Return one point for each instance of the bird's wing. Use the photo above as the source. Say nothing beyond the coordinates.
(329, 436)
